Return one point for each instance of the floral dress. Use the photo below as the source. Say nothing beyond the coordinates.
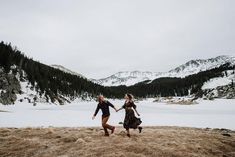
(130, 121)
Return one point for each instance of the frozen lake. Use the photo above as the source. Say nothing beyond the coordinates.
(219, 113)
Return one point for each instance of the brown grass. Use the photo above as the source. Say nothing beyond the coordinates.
(89, 142)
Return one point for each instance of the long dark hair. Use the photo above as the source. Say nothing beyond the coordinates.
(130, 96)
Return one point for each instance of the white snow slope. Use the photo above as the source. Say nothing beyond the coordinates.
(219, 113)
(220, 81)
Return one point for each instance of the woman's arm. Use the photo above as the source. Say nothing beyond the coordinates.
(134, 106)
(123, 107)
(136, 112)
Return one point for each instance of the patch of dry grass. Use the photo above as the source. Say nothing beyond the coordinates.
(89, 142)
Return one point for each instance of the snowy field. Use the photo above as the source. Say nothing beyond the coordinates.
(219, 113)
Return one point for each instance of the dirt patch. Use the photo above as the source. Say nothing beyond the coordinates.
(182, 102)
(3, 111)
(154, 141)
(176, 100)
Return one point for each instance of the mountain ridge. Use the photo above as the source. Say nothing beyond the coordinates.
(129, 78)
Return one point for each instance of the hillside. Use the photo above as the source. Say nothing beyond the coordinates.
(50, 83)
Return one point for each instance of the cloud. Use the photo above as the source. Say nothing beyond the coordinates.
(98, 38)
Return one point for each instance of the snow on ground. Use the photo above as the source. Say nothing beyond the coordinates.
(215, 82)
(219, 113)
(219, 81)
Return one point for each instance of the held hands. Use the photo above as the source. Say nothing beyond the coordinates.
(116, 109)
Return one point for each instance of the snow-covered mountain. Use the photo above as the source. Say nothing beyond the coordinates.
(196, 66)
(192, 67)
(127, 78)
(60, 67)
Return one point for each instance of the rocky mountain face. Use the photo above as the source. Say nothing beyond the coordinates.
(9, 87)
(220, 87)
(226, 92)
(14, 87)
(192, 67)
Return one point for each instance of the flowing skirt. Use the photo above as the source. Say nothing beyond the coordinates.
(130, 120)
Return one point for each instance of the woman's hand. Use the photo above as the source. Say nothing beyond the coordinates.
(118, 110)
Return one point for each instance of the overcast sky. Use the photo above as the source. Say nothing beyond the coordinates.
(100, 37)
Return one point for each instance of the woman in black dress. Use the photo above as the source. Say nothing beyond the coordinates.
(130, 121)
